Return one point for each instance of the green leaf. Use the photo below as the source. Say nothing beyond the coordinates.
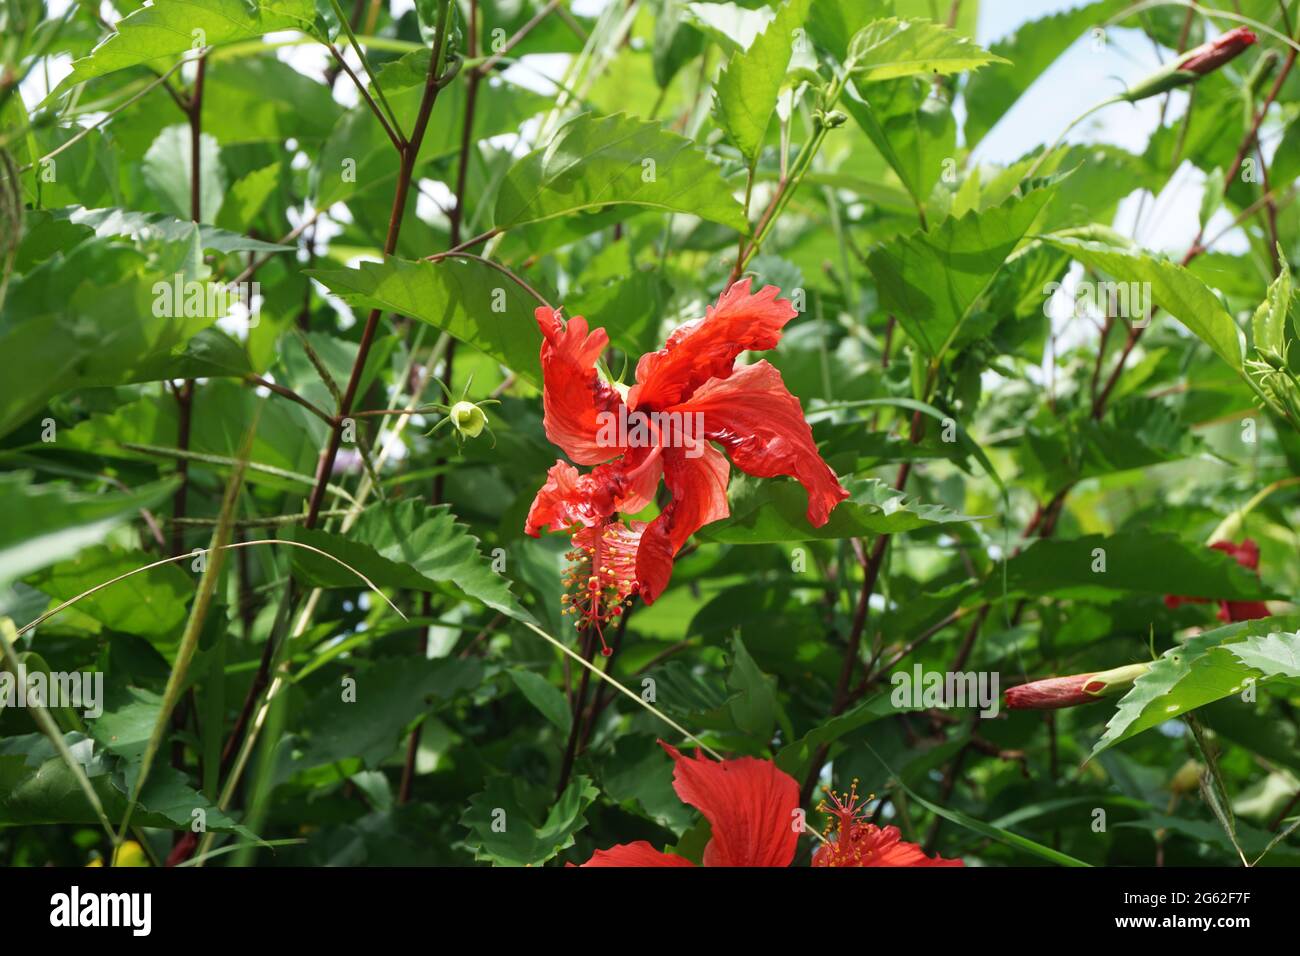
(41, 525)
(595, 161)
(167, 28)
(931, 281)
(406, 545)
(36, 787)
(159, 227)
(90, 318)
(747, 88)
(471, 301)
(889, 48)
(1205, 668)
(545, 696)
(1173, 288)
(390, 694)
(167, 169)
(754, 708)
(509, 823)
(1137, 563)
(151, 603)
(913, 131)
(768, 511)
(1277, 320)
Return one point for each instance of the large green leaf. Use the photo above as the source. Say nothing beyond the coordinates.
(890, 48)
(471, 301)
(90, 318)
(37, 787)
(167, 28)
(913, 131)
(41, 525)
(510, 824)
(596, 161)
(1206, 668)
(389, 695)
(159, 227)
(1172, 288)
(1137, 563)
(767, 511)
(747, 88)
(151, 603)
(931, 281)
(408, 545)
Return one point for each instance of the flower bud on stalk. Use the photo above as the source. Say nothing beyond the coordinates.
(468, 419)
(1056, 692)
(1192, 65)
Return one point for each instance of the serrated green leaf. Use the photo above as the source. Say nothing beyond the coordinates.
(464, 297)
(510, 825)
(167, 28)
(931, 281)
(1205, 668)
(1173, 289)
(747, 88)
(891, 48)
(408, 544)
(596, 161)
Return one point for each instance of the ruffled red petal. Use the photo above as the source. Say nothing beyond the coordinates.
(639, 853)
(573, 395)
(749, 803)
(753, 415)
(571, 499)
(870, 845)
(707, 348)
(699, 490)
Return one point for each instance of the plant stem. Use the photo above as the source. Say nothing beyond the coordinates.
(409, 153)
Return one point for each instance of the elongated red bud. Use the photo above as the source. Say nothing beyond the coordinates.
(1208, 57)
(1192, 65)
(1056, 692)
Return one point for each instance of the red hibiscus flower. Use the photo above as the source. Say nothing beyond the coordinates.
(1247, 555)
(858, 843)
(749, 803)
(686, 395)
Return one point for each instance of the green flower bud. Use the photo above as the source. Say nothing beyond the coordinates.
(468, 419)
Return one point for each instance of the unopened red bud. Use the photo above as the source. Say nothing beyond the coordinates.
(1192, 65)
(1056, 692)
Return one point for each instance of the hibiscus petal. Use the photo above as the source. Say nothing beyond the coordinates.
(562, 502)
(639, 853)
(707, 348)
(574, 396)
(758, 421)
(749, 803)
(570, 499)
(699, 490)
